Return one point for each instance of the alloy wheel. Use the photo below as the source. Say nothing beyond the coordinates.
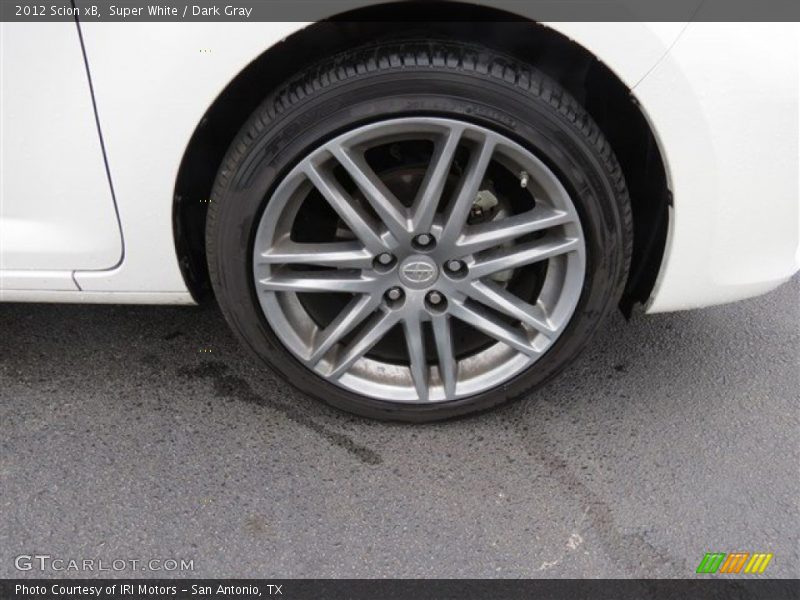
(419, 259)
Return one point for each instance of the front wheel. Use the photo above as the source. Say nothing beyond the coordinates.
(418, 230)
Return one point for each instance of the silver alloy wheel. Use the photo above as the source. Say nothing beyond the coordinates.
(420, 265)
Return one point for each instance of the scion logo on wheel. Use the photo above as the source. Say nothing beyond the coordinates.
(418, 271)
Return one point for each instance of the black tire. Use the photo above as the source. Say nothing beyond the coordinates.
(417, 78)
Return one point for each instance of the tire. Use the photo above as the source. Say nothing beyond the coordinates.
(456, 85)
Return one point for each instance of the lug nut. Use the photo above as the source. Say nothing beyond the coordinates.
(394, 293)
(435, 298)
(454, 265)
(423, 239)
(385, 258)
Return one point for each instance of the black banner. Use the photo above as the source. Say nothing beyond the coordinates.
(417, 589)
(354, 10)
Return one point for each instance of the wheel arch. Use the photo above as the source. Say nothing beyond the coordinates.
(594, 84)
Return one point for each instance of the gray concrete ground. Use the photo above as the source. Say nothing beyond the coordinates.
(672, 436)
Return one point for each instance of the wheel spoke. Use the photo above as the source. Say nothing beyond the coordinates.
(495, 233)
(522, 255)
(373, 331)
(430, 192)
(493, 327)
(383, 202)
(448, 367)
(322, 281)
(358, 309)
(416, 353)
(343, 255)
(349, 211)
(468, 190)
(494, 296)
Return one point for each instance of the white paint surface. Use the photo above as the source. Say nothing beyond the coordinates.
(722, 100)
(56, 208)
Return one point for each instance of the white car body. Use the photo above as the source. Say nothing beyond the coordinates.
(722, 101)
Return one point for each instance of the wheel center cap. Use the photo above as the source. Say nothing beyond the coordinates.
(418, 272)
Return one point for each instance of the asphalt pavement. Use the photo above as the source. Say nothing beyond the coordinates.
(140, 433)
